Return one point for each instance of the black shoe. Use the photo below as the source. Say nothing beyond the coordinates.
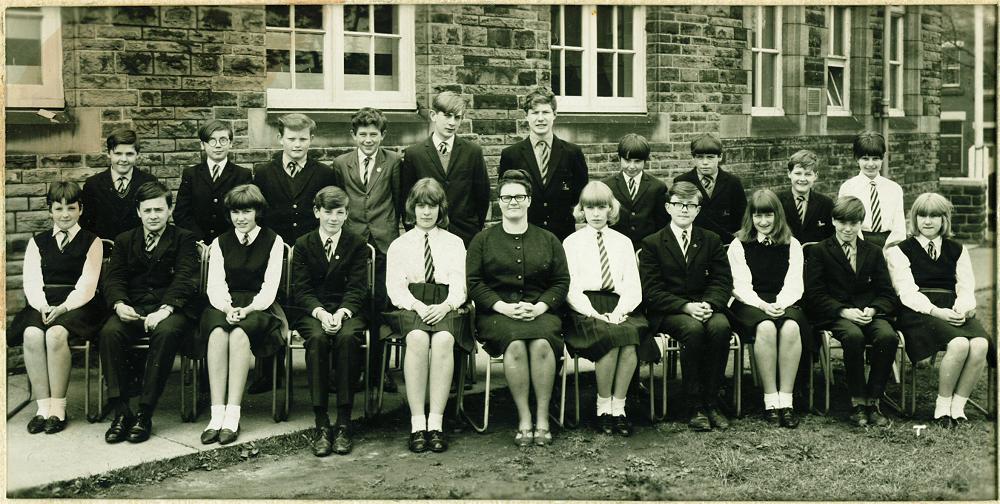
(119, 428)
(944, 422)
(606, 424)
(209, 436)
(418, 441)
(957, 423)
(859, 416)
(771, 416)
(36, 424)
(436, 441)
(876, 418)
(389, 385)
(322, 444)
(142, 428)
(717, 419)
(700, 422)
(53, 425)
(788, 418)
(622, 426)
(227, 436)
(342, 443)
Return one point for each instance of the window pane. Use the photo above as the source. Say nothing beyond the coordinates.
(277, 15)
(356, 63)
(309, 17)
(838, 31)
(951, 127)
(574, 72)
(556, 26)
(556, 72)
(605, 34)
(767, 81)
(625, 27)
(385, 19)
(24, 49)
(356, 18)
(895, 35)
(950, 150)
(625, 75)
(605, 74)
(386, 64)
(768, 27)
(574, 30)
(834, 86)
(894, 97)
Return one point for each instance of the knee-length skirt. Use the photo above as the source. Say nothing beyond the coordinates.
(457, 322)
(592, 338)
(746, 318)
(496, 331)
(926, 334)
(263, 328)
(82, 323)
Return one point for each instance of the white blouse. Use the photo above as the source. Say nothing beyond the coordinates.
(83, 290)
(405, 265)
(890, 202)
(583, 258)
(908, 291)
(792, 288)
(218, 289)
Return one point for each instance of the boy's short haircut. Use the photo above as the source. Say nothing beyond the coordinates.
(331, 198)
(448, 102)
(540, 96)
(706, 144)
(153, 190)
(633, 146)
(205, 132)
(869, 143)
(245, 197)
(932, 205)
(295, 122)
(63, 192)
(368, 116)
(597, 193)
(427, 191)
(684, 191)
(848, 209)
(805, 158)
(123, 136)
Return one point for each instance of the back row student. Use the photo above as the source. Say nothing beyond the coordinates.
(885, 221)
(723, 199)
(641, 196)
(109, 196)
(807, 211)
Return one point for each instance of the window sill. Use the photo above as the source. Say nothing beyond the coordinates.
(837, 112)
(767, 112)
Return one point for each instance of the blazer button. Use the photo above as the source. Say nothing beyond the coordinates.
(518, 247)
(545, 204)
(519, 261)
(215, 200)
(295, 205)
(545, 223)
(519, 277)
(295, 224)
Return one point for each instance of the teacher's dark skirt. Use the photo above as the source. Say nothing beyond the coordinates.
(592, 339)
(262, 327)
(82, 323)
(746, 318)
(926, 334)
(456, 322)
(497, 332)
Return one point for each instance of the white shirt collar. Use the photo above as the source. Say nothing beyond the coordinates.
(71, 231)
(534, 139)
(437, 142)
(760, 238)
(636, 179)
(867, 181)
(362, 156)
(593, 232)
(222, 164)
(323, 235)
(677, 232)
(128, 176)
(285, 160)
(252, 234)
(924, 241)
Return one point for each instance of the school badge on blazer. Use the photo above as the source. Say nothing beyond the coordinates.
(565, 186)
(820, 224)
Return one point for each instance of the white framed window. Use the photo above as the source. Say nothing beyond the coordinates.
(951, 63)
(838, 61)
(766, 53)
(599, 57)
(34, 57)
(340, 56)
(896, 53)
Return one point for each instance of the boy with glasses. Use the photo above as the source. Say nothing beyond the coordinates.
(723, 199)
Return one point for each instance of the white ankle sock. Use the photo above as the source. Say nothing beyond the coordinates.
(232, 420)
(942, 407)
(435, 422)
(57, 407)
(418, 423)
(603, 405)
(43, 407)
(218, 414)
(617, 406)
(958, 406)
(771, 401)
(784, 399)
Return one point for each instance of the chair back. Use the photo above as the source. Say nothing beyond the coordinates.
(370, 271)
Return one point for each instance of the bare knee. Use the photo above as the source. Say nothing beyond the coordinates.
(977, 348)
(417, 340)
(239, 341)
(516, 351)
(56, 337)
(34, 340)
(540, 349)
(790, 329)
(442, 342)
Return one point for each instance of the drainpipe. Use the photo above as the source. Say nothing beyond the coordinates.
(884, 115)
(978, 171)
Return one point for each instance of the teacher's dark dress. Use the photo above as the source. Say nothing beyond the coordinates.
(528, 267)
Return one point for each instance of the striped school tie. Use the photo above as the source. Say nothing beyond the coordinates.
(428, 260)
(216, 170)
(542, 150)
(63, 239)
(800, 205)
(706, 181)
(684, 243)
(122, 187)
(293, 169)
(632, 188)
(606, 283)
(246, 239)
(876, 211)
(931, 251)
(767, 241)
(368, 172)
(849, 253)
(151, 241)
(328, 248)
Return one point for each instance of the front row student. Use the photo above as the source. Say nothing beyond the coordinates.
(767, 283)
(244, 272)
(604, 292)
(933, 277)
(61, 268)
(849, 292)
(687, 283)
(149, 284)
(330, 286)
(425, 280)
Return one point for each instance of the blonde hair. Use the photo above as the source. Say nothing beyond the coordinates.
(933, 205)
(597, 193)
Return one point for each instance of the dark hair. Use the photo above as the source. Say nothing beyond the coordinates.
(331, 198)
(368, 116)
(515, 176)
(448, 102)
(539, 96)
(205, 132)
(295, 122)
(684, 190)
(706, 144)
(63, 191)
(245, 197)
(122, 136)
(805, 157)
(427, 191)
(848, 209)
(869, 143)
(764, 201)
(153, 190)
(633, 146)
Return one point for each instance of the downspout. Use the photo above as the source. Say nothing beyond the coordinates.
(884, 114)
(978, 171)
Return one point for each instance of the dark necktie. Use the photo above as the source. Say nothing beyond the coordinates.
(931, 251)
(63, 239)
(876, 211)
(849, 253)
(767, 241)
(800, 205)
(684, 243)
(328, 247)
(632, 188)
(606, 283)
(367, 174)
(122, 186)
(428, 260)
(443, 148)
(246, 239)
(293, 169)
(151, 241)
(216, 170)
(542, 150)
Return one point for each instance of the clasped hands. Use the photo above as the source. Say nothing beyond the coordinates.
(50, 314)
(127, 313)
(611, 317)
(431, 314)
(951, 316)
(521, 310)
(701, 311)
(331, 322)
(859, 316)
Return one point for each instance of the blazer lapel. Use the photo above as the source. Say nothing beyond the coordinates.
(432, 153)
(528, 153)
(674, 247)
(166, 239)
(644, 181)
(378, 168)
(456, 148)
(308, 171)
(837, 252)
(620, 186)
(694, 248)
(338, 254)
(811, 205)
(353, 172)
(555, 156)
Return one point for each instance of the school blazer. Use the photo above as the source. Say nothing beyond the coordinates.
(373, 207)
(341, 282)
(552, 203)
(644, 216)
(818, 224)
(669, 282)
(722, 213)
(465, 183)
(201, 205)
(169, 275)
(831, 284)
(289, 203)
(104, 213)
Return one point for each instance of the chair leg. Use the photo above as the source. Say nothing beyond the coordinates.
(576, 394)
(184, 366)
(827, 374)
(480, 428)
(289, 386)
(737, 374)
(381, 383)
(23, 404)
(368, 375)
(275, 414)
